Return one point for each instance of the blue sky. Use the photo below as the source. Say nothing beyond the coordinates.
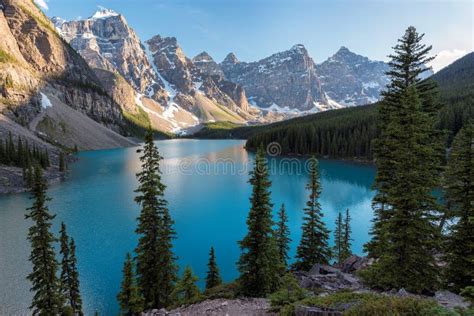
(254, 29)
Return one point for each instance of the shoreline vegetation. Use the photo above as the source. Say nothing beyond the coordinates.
(420, 247)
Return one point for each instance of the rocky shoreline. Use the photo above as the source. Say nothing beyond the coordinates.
(12, 182)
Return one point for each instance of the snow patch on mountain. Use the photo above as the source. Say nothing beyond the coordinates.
(45, 101)
(103, 13)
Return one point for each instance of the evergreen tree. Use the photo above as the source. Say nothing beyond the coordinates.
(62, 163)
(347, 245)
(213, 277)
(313, 247)
(156, 267)
(282, 236)
(131, 303)
(45, 284)
(339, 239)
(69, 279)
(186, 290)
(460, 194)
(408, 226)
(408, 165)
(259, 261)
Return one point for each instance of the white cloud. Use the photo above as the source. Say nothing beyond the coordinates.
(446, 57)
(42, 4)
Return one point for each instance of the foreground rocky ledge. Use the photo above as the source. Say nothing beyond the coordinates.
(322, 279)
(235, 307)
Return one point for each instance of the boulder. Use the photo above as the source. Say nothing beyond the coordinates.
(354, 263)
(328, 279)
(451, 300)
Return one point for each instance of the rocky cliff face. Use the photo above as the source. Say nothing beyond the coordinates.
(41, 71)
(286, 80)
(197, 85)
(352, 79)
(106, 41)
(206, 64)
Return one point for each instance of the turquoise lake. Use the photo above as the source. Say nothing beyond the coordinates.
(208, 198)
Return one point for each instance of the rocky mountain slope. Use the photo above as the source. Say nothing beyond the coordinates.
(167, 87)
(203, 94)
(283, 81)
(38, 71)
(352, 79)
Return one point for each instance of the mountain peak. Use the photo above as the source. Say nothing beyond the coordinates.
(104, 13)
(203, 57)
(343, 49)
(298, 48)
(230, 59)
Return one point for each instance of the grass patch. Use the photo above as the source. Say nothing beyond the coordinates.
(224, 130)
(363, 304)
(6, 57)
(137, 124)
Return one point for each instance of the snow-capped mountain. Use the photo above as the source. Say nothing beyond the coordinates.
(178, 92)
(164, 82)
(106, 41)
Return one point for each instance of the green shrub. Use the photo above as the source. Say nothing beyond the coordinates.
(364, 304)
(226, 290)
(468, 292)
(288, 293)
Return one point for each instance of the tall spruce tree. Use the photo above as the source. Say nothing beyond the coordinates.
(408, 159)
(131, 303)
(213, 277)
(407, 67)
(259, 261)
(45, 284)
(408, 156)
(339, 239)
(313, 247)
(460, 194)
(347, 245)
(156, 267)
(69, 280)
(282, 236)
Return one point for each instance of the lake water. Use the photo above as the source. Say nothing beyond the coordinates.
(208, 197)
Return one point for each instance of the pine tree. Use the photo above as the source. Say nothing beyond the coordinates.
(45, 284)
(408, 159)
(156, 267)
(347, 245)
(282, 236)
(213, 277)
(69, 279)
(258, 263)
(313, 247)
(407, 64)
(460, 194)
(186, 291)
(339, 239)
(131, 303)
